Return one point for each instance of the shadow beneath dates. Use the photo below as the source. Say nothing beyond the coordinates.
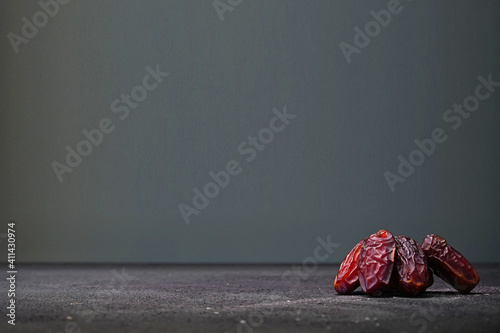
(436, 294)
(430, 294)
(426, 294)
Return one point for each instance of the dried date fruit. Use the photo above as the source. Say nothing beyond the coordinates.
(384, 263)
(347, 279)
(430, 282)
(376, 263)
(411, 267)
(449, 264)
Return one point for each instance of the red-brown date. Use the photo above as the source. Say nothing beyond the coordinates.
(376, 263)
(411, 267)
(449, 264)
(347, 279)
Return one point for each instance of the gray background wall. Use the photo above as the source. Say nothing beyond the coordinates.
(322, 175)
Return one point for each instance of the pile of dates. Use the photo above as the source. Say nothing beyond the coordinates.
(384, 263)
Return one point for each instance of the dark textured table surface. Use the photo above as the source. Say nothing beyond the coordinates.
(235, 298)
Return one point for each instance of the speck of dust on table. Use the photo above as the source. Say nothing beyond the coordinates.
(236, 298)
